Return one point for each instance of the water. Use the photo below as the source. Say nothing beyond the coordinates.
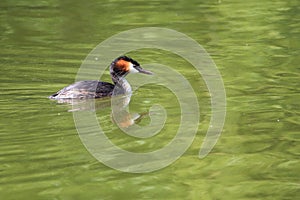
(255, 45)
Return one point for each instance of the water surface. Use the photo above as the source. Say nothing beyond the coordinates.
(255, 45)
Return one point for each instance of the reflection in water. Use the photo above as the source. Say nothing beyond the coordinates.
(120, 114)
(122, 117)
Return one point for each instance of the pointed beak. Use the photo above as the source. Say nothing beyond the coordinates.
(143, 71)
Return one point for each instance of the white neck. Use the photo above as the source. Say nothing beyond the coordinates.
(122, 87)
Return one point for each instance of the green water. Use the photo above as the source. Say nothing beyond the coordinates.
(255, 45)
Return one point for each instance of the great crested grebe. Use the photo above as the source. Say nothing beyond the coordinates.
(119, 68)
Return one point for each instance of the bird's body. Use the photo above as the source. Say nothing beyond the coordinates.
(119, 68)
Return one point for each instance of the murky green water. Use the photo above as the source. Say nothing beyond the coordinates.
(255, 45)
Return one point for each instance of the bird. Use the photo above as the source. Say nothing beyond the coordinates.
(88, 89)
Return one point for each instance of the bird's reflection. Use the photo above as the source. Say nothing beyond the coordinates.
(118, 104)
